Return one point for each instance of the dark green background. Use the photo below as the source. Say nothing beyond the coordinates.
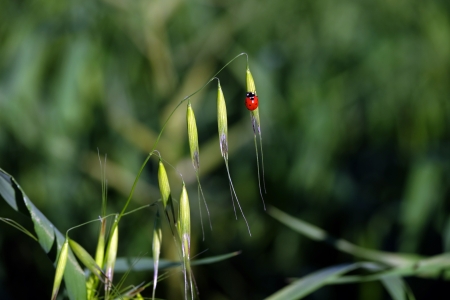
(355, 114)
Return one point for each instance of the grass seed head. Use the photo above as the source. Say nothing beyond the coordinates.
(111, 254)
(100, 251)
(164, 186)
(250, 82)
(86, 259)
(156, 249)
(60, 267)
(254, 114)
(185, 222)
(222, 122)
(193, 137)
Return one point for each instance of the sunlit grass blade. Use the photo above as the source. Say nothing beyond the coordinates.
(222, 123)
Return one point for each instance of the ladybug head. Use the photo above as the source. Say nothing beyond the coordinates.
(250, 95)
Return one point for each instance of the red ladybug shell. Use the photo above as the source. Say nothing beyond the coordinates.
(251, 101)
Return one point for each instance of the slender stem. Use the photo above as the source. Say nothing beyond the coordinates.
(88, 222)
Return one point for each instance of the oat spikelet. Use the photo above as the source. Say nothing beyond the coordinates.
(110, 258)
(195, 156)
(184, 230)
(164, 188)
(256, 124)
(223, 138)
(60, 267)
(156, 249)
(87, 260)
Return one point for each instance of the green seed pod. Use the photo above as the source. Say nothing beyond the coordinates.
(256, 124)
(111, 253)
(185, 222)
(100, 251)
(250, 82)
(86, 259)
(156, 249)
(163, 181)
(222, 122)
(193, 137)
(60, 267)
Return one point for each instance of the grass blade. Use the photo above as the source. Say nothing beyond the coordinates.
(310, 283)
(317, 234)
(48, 236)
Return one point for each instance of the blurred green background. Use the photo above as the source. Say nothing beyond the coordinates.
(355, 113)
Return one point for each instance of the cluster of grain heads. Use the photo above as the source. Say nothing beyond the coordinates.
(222, 124)
(195, 157)
(252, 106)
(179, 222)
(60, 267)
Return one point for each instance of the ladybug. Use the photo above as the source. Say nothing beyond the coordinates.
(251, 101)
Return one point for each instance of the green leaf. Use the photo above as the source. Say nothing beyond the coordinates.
(50, 239)
(423, 194)
(397, 288)
(310, 283)
(431, 267)
(318, 234)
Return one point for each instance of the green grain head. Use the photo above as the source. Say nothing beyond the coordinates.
(250, 82)
(222, 122)
(163, 182)
(254, 114)
(156, 249)
(87, 260)
(184, 225)
(60, 267)
(193, 137)
(111, 254)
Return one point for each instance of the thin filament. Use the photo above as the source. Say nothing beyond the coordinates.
(257, 165)
(237, 200)
(262, 164)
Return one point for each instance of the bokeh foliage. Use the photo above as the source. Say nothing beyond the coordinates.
(355, 121)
